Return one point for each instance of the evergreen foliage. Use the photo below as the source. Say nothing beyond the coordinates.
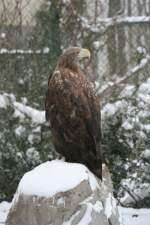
(24, 144)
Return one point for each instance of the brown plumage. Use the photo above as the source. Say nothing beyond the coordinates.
(73, 112)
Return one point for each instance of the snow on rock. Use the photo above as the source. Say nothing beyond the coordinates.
(110, 205)
(50, 179)
(64, 194)
(69, 222)
(87, 218)
(128, 216)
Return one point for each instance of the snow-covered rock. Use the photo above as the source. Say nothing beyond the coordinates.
(61, 193)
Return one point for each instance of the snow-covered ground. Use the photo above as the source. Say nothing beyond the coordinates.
(135, 216)
(4, 209)
(129, 216)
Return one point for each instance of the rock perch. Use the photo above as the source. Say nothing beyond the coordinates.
(61, 193)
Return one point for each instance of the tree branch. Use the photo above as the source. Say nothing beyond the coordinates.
(107, 88)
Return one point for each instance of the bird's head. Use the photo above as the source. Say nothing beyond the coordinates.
(71, 57)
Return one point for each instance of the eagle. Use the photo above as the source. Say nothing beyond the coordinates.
(73, 112)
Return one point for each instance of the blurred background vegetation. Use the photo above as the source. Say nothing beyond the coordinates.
(32, 36)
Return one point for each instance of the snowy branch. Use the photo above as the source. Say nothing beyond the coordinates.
(22, 51)
(21, 110)
(137, 195)
(107, 88)
(125, 20)
(36, 116)
(104, 23)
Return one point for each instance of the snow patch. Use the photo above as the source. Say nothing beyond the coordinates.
(4, 209)
(61, 201)
(134, 216)
(96, 44)
(110, 206)
(111, 108)
(97, 207)
(36, 115)
(144, 88)
(86, 219)
(20, 130)
(3, 101)
(31, 138)
(141, 50)
(3, 35)
(45, 50)
(127, 91)
(127, 126)
(32, 155)
(146, 154)
(53, 177)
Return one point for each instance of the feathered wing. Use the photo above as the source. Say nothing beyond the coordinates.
(74, 113)
(91, 116)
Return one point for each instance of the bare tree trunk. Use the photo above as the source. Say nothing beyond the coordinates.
(130, 36)
(112, 54)
(121, 56)
(116, 42)
(129, 8)
(146, 27)
(139, 5)
(111, 39)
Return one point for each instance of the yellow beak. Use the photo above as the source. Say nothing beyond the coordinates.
(84, 53)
